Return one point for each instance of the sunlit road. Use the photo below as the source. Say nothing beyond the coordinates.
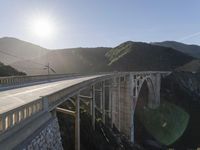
(13, 98)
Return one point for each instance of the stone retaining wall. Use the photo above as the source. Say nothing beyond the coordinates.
(48, 139)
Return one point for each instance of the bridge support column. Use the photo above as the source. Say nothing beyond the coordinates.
(154, 97)
(93, 106)
(115, 91)
(134, 86)
(103, 102)
(77, 124)
(132, 128)
(113, 101)
(127, 100)
(119, 103)
(110, 101)
(157, 89)
(91, 95)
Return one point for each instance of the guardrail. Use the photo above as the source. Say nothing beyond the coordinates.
(17, 80)
(24, 79)
(13, 117)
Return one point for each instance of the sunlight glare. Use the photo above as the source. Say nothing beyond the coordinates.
(42, 27)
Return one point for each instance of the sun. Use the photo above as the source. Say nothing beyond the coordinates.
(42, 27)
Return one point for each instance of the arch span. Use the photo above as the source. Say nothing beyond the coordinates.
(151, 92)
(129, 92)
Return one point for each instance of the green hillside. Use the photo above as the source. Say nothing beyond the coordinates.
(193, 66)
(8, 71)
(131, 56)
(192, 50)
(128, 56)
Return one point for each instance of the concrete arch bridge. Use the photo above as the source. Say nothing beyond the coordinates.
(28, 104)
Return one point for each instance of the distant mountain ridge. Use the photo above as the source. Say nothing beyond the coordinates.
(192, 50)
(128, 56)
(193, 66)
(6, 70)
(30, 58)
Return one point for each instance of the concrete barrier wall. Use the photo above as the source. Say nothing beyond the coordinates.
(17, 81)
(13, 117)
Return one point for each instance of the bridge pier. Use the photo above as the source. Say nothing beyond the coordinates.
(125, 94)
(91, 101)
(114, 100)
(119, 103)
(103, 102)
(93, 107)
(110, 101)
(156, 82)
(77, 123)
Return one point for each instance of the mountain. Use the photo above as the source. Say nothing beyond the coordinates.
(192, 50)
(193, 66)
(130, 56)
(6, 70)
(77, 60)
(30, 58)
(183, 89)
(13, 50)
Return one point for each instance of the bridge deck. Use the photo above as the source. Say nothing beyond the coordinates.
(14, 98)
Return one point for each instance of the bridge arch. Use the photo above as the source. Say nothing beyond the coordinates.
(152, 101)
(143, 99)
(151, 91)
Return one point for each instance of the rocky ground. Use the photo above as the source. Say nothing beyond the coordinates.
(183, 90)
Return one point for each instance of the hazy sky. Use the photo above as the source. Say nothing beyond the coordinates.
(91, 23)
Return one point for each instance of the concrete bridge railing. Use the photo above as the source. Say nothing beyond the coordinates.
(15, 116)
(16, 81)
(19, 81)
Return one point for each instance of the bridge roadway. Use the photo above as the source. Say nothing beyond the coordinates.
(13, 98)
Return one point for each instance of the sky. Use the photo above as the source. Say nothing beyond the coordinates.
(97, 23)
